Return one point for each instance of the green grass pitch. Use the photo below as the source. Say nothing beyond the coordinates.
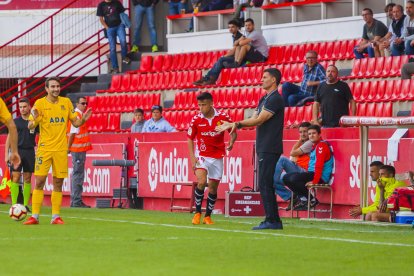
(122, 242)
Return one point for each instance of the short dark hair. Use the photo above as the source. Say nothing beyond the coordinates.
(400, 7)
(234, 22)
(410, 1)
(378, 164)
(79, 98)
(369, 10)
(139, 110)
(305, 124)
(51, 79)
(204, 96)
(315, 127)
(275, 73)
(389, 169)
(249, 20)
(388, 6)
(156, 107)
(24, 100)
(331, 65)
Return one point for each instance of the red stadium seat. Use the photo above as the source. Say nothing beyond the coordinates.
(158, 63)
(357, 91)
(286, 116)
(307, 113)
(300, 56)
(363, 68)
(292, 116)
(114, 122)
(167, 63)
(288, 54)
(329, 51)
(135, 82)
(355, 68)
(115, 84)
(407, 93)
(125, 83)
(296, 72)
(365, 91)
(280, 58)
(396, 91)
(379, 65)
(299, 115)
(371, 95)
(92, 102)
(389, 90)
(396, 67)
(337, 47)
(381, 86)
(146, 64)
(272, 58)
(113, 102)
(294, 54)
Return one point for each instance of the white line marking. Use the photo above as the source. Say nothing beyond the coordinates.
(250, 232)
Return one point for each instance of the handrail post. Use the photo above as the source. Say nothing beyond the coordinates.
(51, 39)
(99, 52)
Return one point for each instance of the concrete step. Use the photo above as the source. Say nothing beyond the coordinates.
(92, 87)
(105, 78)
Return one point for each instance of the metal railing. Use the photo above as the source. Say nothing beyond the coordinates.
(69, 44)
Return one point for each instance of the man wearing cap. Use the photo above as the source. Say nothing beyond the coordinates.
(157, 123)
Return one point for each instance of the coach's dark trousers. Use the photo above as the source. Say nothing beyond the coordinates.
(267, 163)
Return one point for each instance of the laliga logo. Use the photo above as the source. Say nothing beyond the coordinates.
(153, 169)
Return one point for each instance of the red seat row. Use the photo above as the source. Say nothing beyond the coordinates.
(104, 122)
(383, 90)
(381, 67)
(223, 98)
(374, 109)
(152, 81)
(178, 62)
(295, 115)
(295, 53)
(123, 103)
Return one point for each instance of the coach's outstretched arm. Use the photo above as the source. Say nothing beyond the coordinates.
(255, 120)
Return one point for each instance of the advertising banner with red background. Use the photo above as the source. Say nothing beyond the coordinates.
(162, 163)
(99, 181)
(44, 4)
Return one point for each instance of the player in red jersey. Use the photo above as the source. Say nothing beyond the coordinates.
(207, 156)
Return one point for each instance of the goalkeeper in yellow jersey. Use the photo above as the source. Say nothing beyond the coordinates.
(52, 114)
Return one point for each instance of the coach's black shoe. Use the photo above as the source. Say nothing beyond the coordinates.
(269, 225)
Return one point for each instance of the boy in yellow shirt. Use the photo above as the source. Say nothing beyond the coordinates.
(52, 114)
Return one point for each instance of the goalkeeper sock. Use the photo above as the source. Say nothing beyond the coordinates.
(14, 190)
(56, 203)
(211, 200)
(27, 188)
(198, 199)
(37, 200)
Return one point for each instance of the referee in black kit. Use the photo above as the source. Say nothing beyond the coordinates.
(269, 143)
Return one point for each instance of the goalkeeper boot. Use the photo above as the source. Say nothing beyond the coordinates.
(196, 218)
(31, 221)
(207, 220)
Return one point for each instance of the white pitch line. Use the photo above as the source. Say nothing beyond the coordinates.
(251, 232)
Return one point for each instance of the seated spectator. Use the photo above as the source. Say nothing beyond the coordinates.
(386, 184)
(176, 7)
(252, 47)
(407, 70)
(139, 121)
(213, 74)
(389, 12)
(319, 170)
(408, 32)
(240, 4)
(373, 32)
(333, 99)
(393, 39)
(313, 75)
(157, 123)
(298, 162)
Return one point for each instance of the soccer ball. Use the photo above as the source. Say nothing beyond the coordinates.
(17, 212)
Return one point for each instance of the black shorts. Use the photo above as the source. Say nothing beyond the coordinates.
(254, 56)
(27, 157)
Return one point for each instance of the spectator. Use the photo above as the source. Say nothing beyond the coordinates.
(372, 33)
(138, 125)
(144, 7)
(393, 39)
(386, 184)
(298, 162)
(198, 5)
(407, 70)
(157, 123)
(333, 99)
(319, 170)
(176, 7)
(213, 74)
(313, 75)
(240, 4)
(252, 47)
(389, 12)
(109, 15)
(216, 5)
(408, 32)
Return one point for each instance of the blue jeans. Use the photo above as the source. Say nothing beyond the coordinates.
(397, 49)
(292, 94)
(409, 50)
(139, 15)
(369, 50)
(218, 66)
(175, 8)
(284, 164)
(112, 34)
